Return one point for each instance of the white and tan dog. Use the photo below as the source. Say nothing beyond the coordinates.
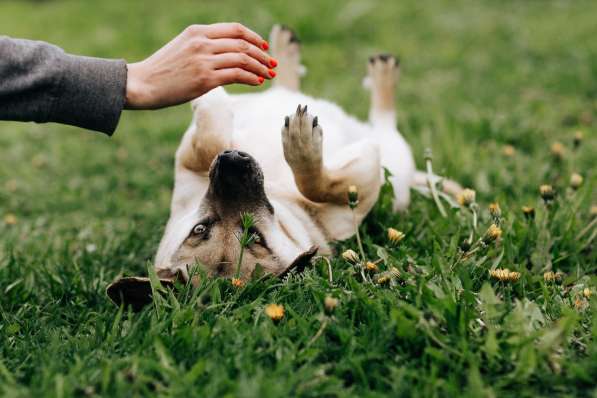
(243, 154)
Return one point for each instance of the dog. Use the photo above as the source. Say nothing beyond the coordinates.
(249, 153)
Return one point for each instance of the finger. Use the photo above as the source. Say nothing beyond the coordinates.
(220, 46)
(236, 75)
(243, 61)
(235, 30)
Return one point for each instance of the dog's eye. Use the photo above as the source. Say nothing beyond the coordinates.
(257, 238)
(199, 229)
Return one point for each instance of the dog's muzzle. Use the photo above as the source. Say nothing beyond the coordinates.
(236, 176)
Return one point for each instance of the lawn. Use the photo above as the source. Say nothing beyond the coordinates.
(489, 87)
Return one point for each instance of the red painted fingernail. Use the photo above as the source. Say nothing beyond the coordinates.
(271, 73)
(273, 63)
(261, 79)
(265, 45)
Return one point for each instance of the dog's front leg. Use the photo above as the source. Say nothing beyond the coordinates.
(209, 134)
(357, 164)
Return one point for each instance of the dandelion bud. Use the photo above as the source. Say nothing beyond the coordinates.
(465, 245)
(330, 303)
(493, 233)
(371, 266)
(576, 181)
(353, 196)
(508, 151)
(394, 272)
(587, 292)
(547, 192)
(529, 212)
(495, 211)
(578, 137)
(274, 311)
(504, 275)
(351, 256)
(466, 197)
(513, 276)
(551, 276)
(236, 282)
(395, 236)
(557, 150)
(10, 219)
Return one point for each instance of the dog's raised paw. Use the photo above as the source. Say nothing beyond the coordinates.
(302, 140)
(383, 71)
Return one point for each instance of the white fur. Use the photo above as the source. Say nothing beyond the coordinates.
(257, 122)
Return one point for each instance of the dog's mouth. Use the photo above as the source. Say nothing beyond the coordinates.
(236, 177)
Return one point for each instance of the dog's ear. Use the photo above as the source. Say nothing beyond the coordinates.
(301, 262)
(136, 291)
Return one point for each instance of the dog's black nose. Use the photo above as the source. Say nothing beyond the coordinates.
(233, 156)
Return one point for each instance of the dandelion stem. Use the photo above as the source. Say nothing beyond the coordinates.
(360, 244)
(317, 335)
(431, 184)
(329, 264)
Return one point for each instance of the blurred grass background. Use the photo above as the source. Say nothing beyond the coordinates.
(475, 76)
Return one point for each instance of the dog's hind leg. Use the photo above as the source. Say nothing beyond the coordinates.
(285, 48)
(381, 81)
(357, 164)
(209, 134)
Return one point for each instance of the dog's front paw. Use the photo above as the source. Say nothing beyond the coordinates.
(302, 139)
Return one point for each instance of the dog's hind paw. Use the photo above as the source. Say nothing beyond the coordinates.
(383, 72)
(302, 141)
(285, 48)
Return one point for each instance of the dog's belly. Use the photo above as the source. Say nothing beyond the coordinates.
(258, 121)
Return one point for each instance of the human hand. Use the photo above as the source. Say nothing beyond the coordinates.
(199, 59)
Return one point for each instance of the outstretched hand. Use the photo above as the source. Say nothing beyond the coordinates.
(199, 59)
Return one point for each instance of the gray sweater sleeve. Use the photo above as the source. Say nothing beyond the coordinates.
(39, 82)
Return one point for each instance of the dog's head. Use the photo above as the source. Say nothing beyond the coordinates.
(208, 236)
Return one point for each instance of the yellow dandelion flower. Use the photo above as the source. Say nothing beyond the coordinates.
(495, 210)
(513, 276)
(508, 151)
(371, 266)
(387, 276)
(466, 197)
(557, 150)
(493, 233)
(587, 292)
(529, 212)
(547, 192)
(395, 236)
(578, 137)
(274, 311)
(236, 282)
(10, 219)
(551, 276)
(330, 303)
(353, 196)
(576, 181)
(504, 275)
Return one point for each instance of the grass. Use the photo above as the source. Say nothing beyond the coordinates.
(78, 209)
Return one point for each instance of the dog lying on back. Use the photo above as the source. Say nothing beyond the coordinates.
(289, 165)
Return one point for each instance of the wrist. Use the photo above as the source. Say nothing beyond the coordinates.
(135, 87)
